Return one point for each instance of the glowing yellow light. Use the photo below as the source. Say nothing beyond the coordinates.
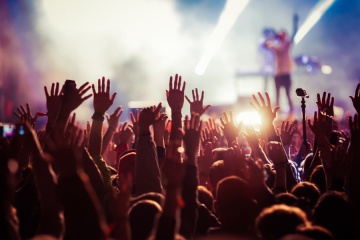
(249, 118)
(325, 69)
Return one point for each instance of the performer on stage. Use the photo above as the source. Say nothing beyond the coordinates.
(283, 63)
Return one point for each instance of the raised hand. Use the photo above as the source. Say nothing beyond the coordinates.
(102, 99)
(167, 132)
(235, 160)
(338, 165)
(251, 137)
(70, 129)
(321, 127)
(205, 161)
(149, 116)
(228, 126)
(325, 106)
(206, 137)
(354, 125)
(53, 100)
(277, 153)
(25, 115)
(175, 94)
(86, 135)
(113, 119)
(214, 128)
(125, 134)
(159, 130)
(192, 128)
(173, 167)
(73, 99)
(287, 133)
(135, 122)
(196, 106)
(265, 110)
(356, 99)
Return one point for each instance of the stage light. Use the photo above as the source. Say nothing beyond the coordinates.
(325, 69)
(232, 10)
(312, 19)
(249, 118)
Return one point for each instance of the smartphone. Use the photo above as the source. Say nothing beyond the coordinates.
(69, 86)
(7, 130)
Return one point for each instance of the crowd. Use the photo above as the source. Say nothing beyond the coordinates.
(178, 176)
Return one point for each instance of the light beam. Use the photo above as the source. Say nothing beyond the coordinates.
(314, 16)
(232, 10)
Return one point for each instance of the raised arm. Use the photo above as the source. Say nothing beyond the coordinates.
(354, 154)
(147, 172)
(84, 217)
(175, 98)
(113, 121)
(53, 105)
(102, 102)
(295, 26)
(191, 138)
(356, 99)
(322, 127)
(51, 222)
(172, 172)
(70, 100)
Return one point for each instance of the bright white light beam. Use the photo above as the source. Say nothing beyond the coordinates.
(316, 13)
(232, 10)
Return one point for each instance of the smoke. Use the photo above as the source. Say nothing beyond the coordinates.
(138, 44)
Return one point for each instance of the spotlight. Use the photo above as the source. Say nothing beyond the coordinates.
(249, 118)
(325, 69)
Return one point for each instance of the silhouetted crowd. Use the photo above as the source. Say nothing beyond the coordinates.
(183, 176)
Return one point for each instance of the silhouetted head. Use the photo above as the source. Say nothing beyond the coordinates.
(216, 173)
(318, 178)
(307, 193)
(334, 212)
(315, 232)
(154, 196)
(143, 215)
(234, 204)
(126, 164)
(279, 220)
(205, 197)
(288, 199)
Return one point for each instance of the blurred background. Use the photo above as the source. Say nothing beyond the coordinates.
(138, 44)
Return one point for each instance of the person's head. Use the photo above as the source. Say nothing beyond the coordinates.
(334, 212)
(234, 204)
(279, 220)
(154, 196)
(318, 178)
(288, 199)
(126, 164)
(315, 232)
(281, 35)
(270, 174)
(143, 215)
(307, 193)
(305, 164)
(216, 173)
(269, 33)
(205, 197)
